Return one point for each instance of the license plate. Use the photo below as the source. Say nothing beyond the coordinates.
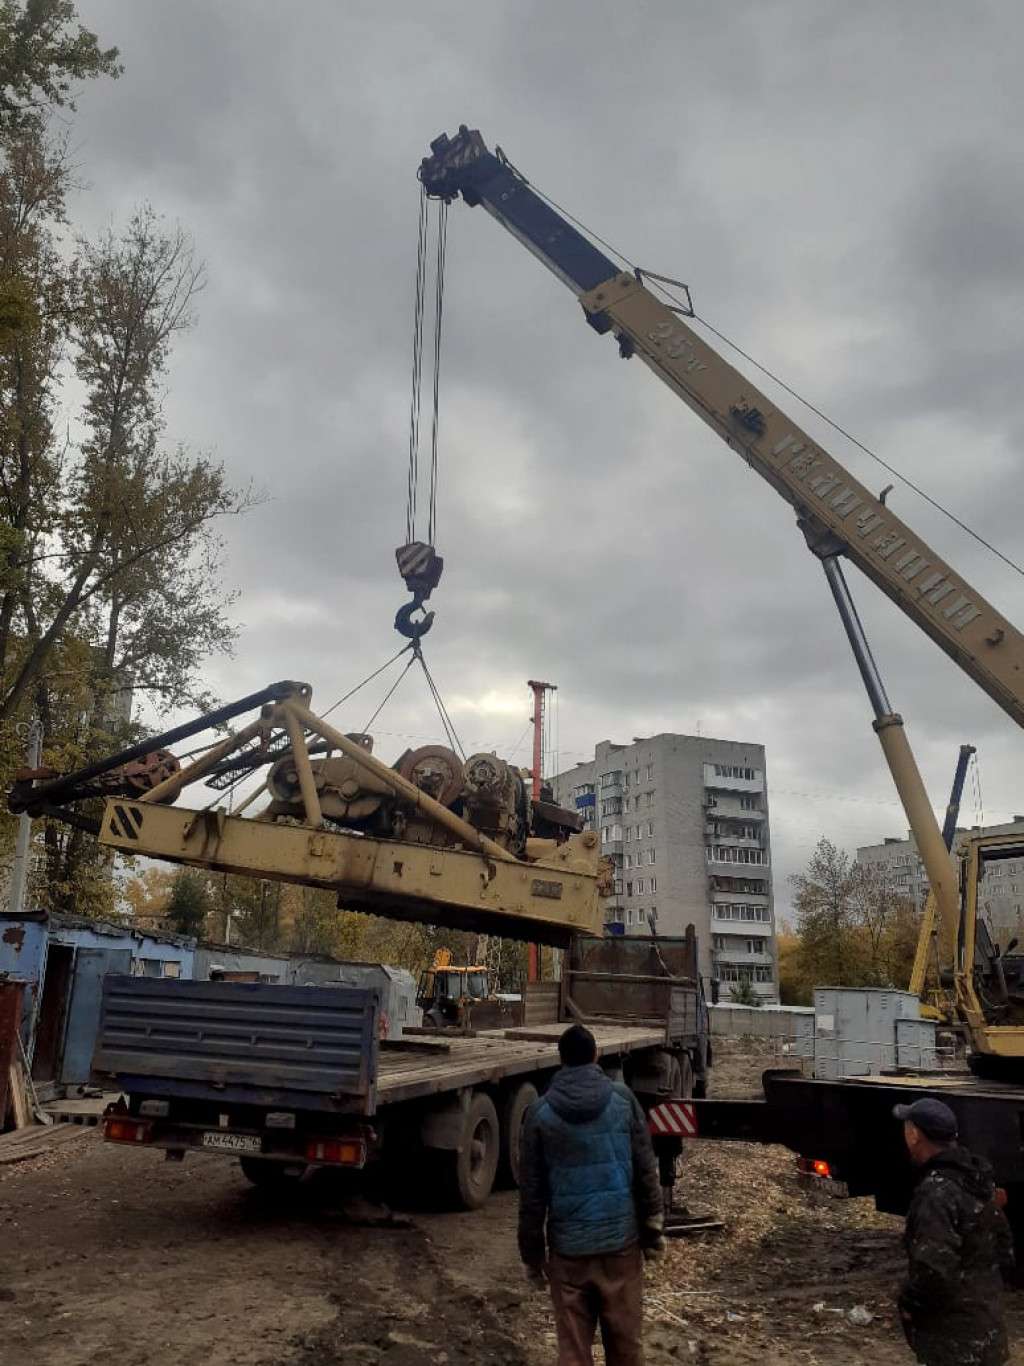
(233, 1143)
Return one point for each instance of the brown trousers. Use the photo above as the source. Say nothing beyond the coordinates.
(607, 1289)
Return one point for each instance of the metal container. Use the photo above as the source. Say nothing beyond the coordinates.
(915, 1045)
(855, 1029)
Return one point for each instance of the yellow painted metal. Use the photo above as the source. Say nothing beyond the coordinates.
(927, 835)
(924, 944)
(548, 901)
(970, 630)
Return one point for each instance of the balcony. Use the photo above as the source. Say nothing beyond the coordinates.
(718, 892)
(718, 835)
(731, 857)
(752, 928)
(720, 806)
(737, 958)
(725, 783)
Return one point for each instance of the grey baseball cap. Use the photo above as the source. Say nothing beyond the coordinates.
(935, 1120)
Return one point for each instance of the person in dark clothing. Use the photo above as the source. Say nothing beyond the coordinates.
(588, 1172)
(959, 1247)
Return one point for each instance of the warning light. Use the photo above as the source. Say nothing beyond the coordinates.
(120, 1130)
(349, 1152)
(822, 1169)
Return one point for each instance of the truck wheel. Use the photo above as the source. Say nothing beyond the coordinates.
(473, 1169)
(685, 1091)
(513, 1116)
(269, 1175)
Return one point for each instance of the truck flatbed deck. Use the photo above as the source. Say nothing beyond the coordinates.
(492, 1056)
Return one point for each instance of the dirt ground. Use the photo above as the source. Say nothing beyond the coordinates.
(110, 1257)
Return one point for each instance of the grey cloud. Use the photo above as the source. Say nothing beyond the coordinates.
(839, 184)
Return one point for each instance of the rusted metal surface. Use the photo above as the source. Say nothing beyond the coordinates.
(302, 1047)
(638, 980)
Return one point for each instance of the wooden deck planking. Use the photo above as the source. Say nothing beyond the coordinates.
(492, 1056)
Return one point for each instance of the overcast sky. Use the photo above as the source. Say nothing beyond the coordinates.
(841, 186)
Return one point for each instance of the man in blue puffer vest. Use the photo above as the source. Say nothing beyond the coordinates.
(588, 1170)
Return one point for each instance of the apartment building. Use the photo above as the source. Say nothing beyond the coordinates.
(1002, 897)
(685, 821)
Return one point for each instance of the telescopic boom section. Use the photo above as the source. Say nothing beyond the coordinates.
(836, 511)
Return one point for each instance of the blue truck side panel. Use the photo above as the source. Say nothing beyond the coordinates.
(295, 1047)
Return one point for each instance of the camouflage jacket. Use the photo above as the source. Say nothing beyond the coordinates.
(959, 1251)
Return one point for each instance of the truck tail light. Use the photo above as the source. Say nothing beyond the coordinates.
(343, 1152)
(808, 1166)
(121, 1129)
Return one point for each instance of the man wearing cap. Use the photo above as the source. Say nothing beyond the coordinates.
(589, 1173)
(959, 1247)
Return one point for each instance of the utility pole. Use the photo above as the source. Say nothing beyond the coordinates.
(540, 692)
(19, 870)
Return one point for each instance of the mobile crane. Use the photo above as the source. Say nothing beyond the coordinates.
(838, 517)
(844, 1129)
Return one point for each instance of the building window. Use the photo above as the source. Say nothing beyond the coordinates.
(654, 884)
(629, 860)
(629, 889)
(640, 887)
(734, 771)
(653, 912)
(650, 856)
(725, 853)
(650, 827)
(650, 798)
(650, 773)
(748, 802)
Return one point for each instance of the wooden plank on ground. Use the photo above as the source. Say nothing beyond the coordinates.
(22, 1144)
(18, 1098)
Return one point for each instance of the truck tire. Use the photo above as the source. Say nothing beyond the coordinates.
(685, 1091)
(513, 1116)
(269, 1175)
(473, 1168)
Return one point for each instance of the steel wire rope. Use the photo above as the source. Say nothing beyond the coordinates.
(836, 427)
(446, 720)
(390, 693)
(442, 245)
(368, 679)
(417, 371)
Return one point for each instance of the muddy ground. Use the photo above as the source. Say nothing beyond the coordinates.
(110, 1257)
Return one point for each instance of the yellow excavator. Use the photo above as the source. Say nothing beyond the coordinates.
(450, 995)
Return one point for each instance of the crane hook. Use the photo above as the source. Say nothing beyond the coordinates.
(404, 624)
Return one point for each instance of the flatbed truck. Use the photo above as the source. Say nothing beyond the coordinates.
(291, 1079)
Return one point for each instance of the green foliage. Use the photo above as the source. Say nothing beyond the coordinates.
(853, 928)
(741, 993)
(189, 903)
(109, 555)
(43, 58)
